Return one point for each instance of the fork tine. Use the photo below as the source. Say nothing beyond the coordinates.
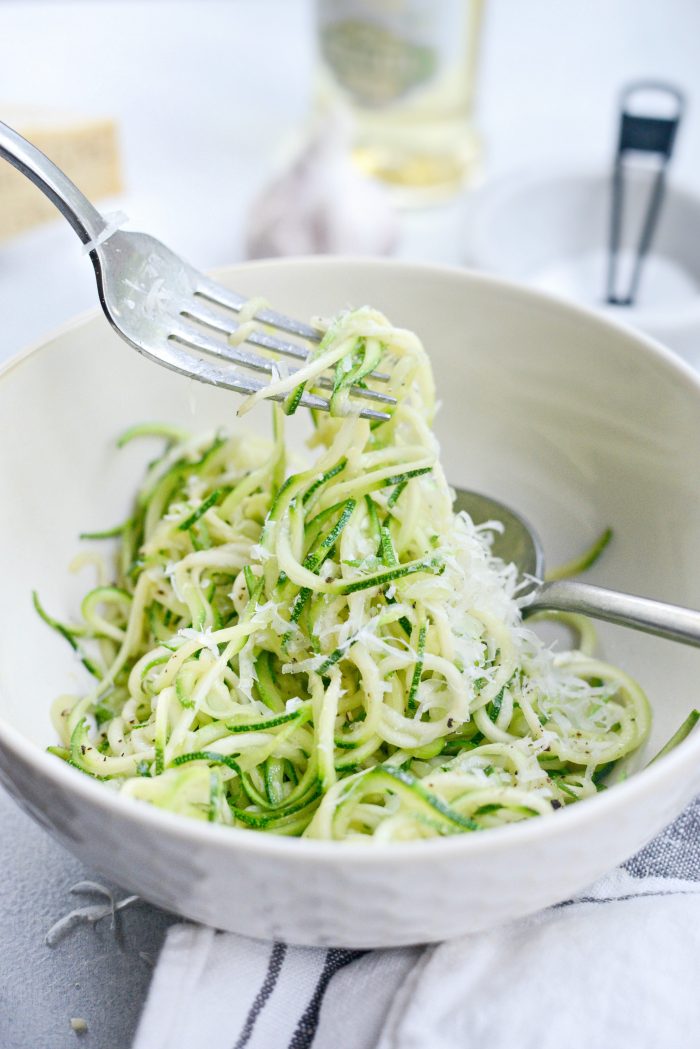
(220, 322)
(201, 341)
(174, 356)
(209, 289)
(235, 354)
(198, 311)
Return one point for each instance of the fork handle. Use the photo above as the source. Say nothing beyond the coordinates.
(86, 220)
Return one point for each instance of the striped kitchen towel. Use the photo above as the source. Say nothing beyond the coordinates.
(615, 968)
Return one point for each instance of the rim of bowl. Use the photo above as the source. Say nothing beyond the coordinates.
(501, 191)
(496, 838)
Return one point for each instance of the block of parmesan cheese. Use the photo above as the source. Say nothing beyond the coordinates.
(85, 148)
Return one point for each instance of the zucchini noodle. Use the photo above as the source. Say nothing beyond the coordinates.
(331, 653)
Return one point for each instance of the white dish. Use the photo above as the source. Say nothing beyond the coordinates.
(574, 421)
(550, 229)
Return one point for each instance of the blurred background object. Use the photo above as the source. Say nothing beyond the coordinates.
(588, 234)
(320, 204)
(406, 71)
(650, 114)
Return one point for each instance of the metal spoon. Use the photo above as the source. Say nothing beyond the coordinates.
(520, 544)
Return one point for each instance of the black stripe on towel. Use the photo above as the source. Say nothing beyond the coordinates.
(336, 958)
(274, 968)
(628, 896)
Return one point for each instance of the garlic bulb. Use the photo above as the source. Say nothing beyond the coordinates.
(322, 205)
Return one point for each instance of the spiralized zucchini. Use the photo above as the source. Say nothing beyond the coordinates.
(332, 653)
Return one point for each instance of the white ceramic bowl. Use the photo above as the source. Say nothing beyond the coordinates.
(577, 423)
(550, 230)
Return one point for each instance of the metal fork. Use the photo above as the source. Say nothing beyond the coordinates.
(169, 311)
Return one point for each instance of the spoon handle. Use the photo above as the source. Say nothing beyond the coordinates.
(640, 613)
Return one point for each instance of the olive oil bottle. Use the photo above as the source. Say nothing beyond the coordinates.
(406, 71)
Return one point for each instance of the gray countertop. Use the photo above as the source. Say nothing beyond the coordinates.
(91, 973)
